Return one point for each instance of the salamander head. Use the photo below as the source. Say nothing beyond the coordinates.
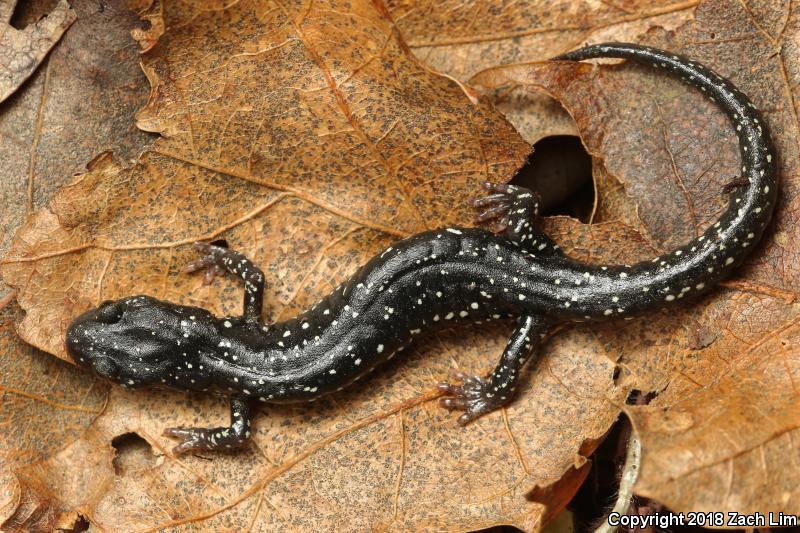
(140, 341)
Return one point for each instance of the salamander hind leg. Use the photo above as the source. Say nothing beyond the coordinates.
(219, 438)
(217, 260)
(477, 396)
(513, 210)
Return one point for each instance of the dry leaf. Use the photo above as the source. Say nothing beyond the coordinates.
(723, 432)
(46, 405)
(80, 102)
(460, 38)
(311, 207)
(49, 128)
(22, 51)
(309, 152)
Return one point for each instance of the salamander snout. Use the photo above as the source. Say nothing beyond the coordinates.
(86, 333)
(109, 312)
(141, 341)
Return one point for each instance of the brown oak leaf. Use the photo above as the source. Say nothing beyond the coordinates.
(722, 434)
(22, 51)
(308, 139)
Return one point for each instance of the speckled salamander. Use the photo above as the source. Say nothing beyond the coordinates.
(432, 279)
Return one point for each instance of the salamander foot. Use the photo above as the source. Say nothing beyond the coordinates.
(512, 211)
(215, 439)
(472, 396)
(209, 261)
(505, 205)
(218, 260)
(195, 439)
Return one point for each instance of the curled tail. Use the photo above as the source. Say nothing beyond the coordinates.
(705, 260)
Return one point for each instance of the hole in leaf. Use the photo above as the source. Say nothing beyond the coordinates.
(560, 170)
(637, 397)
(80, 525)
(133, 454)
(590, 503)
(27, 13)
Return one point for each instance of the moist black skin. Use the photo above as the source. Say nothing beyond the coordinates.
(427, 281)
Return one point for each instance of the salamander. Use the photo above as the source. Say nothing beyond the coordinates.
(435, 279)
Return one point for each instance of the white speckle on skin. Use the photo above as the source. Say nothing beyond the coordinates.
(670, 297)
(379, 349)
(451, 230)
(227, 324)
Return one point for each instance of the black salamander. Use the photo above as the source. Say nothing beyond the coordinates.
(430, 280)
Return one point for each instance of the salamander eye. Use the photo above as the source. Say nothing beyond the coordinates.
(104, 366)
(110, 312)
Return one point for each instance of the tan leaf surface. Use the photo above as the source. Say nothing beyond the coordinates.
(391, 149)
(308, 139)
(61, 118)
(22, 51)
(460, 38)
(46, 404)
(463, 37)
(49, 128)
(723, 432)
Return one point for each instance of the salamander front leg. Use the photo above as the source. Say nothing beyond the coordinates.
(513, 211)
(219, 438)
(218, 259)
(477, 396)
